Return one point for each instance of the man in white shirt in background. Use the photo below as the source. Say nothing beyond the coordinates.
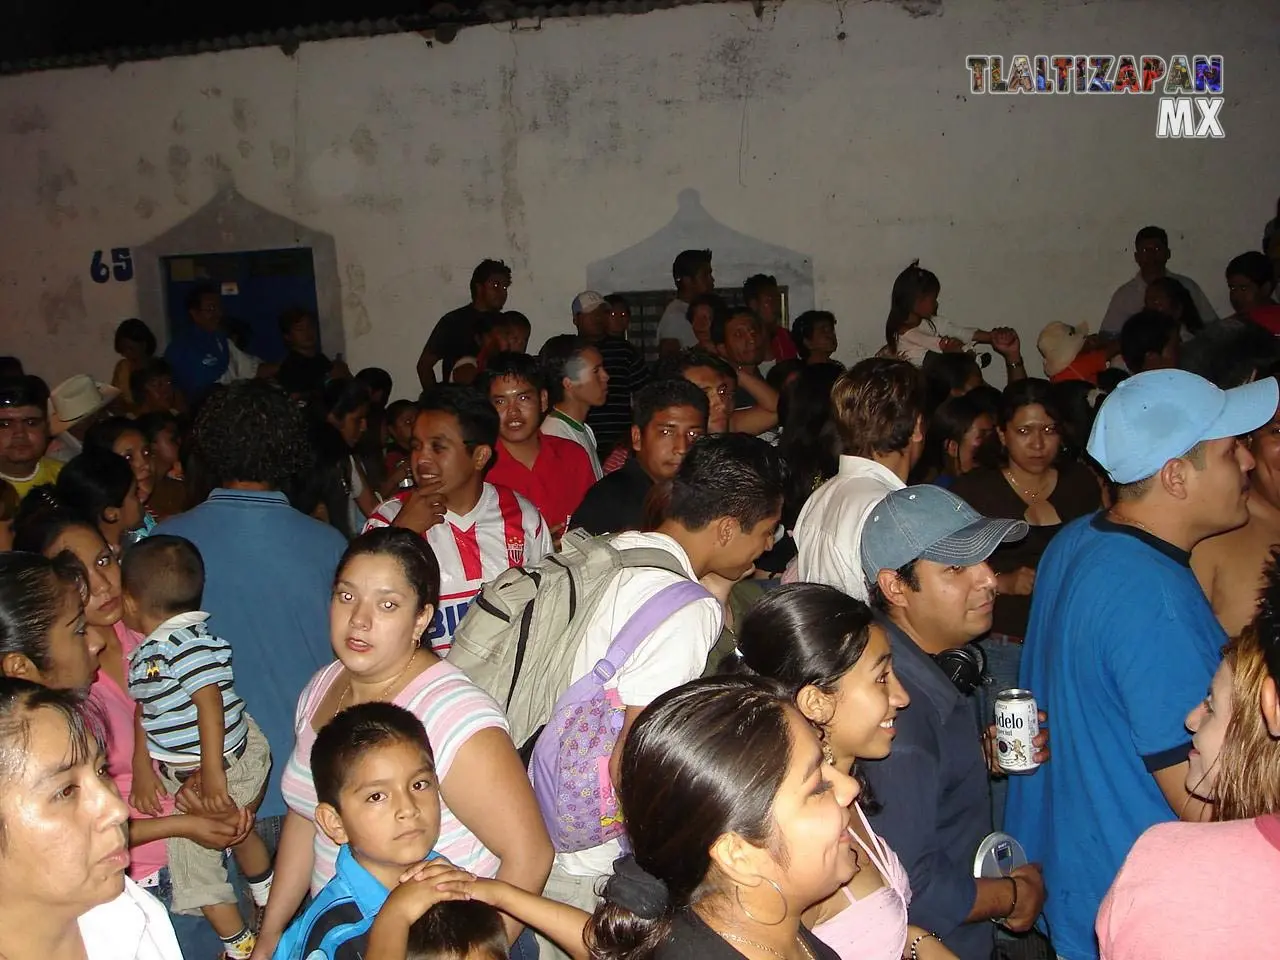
(1151, 253)
(692, 274)
(879, 411)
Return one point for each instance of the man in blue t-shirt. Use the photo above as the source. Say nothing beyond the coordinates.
(1122, 643)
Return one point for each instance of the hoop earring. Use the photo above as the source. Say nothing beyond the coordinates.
(737, 895)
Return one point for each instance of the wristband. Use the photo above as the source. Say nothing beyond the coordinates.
(915, 944)
(1013, 908)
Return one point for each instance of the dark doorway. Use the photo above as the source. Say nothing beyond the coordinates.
(256, 286)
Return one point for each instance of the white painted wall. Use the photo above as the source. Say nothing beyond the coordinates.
(841, 131)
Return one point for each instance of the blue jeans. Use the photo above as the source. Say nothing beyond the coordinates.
(525, 947)
(1004, 657)
(195, 937)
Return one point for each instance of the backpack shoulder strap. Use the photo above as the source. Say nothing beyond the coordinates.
(652, 614)
(651, 557)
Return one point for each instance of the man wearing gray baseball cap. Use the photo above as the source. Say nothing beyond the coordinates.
(1121, 641)
(924, 553)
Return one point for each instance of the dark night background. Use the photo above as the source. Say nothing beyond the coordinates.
(36, 29)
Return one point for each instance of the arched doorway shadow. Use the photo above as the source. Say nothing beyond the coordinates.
(647, 264)
(230, 223)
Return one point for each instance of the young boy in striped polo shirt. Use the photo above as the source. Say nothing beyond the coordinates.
(193, 723)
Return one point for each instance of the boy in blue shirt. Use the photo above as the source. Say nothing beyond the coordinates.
(379, 800)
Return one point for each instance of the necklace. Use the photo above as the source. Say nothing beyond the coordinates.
(733, 938)
(1120, 517)
(1028, 495)
(387, 686)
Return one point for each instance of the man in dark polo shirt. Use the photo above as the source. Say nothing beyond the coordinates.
(924, 553)
(669, 415)
(456, 333)
(738, 338)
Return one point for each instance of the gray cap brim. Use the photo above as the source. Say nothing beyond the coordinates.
(976, 542)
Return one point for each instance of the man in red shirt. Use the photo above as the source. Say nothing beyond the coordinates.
(553, 473)
(762, 295)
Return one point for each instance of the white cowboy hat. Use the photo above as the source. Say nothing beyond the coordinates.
(76, 398)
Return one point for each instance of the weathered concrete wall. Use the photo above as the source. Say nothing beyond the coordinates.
(840, 136)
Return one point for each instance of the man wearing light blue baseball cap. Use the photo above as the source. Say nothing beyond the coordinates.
(1122, 642)
(923, 552)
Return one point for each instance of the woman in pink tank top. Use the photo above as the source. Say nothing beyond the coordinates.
(385, 595)
(1193, 890)
(826, 649)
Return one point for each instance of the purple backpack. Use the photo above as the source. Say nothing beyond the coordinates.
(570, 763)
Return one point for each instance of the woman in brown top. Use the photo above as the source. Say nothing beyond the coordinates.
(1026, 478)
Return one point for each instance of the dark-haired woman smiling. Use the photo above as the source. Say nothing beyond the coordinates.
(736, 825)
(826, 651)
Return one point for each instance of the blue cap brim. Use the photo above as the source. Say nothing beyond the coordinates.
(975, 543)
(1247, 408)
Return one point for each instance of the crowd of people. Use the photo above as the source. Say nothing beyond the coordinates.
(601, 654)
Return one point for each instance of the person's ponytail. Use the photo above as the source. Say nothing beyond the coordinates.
(702, 760)
(633, 917)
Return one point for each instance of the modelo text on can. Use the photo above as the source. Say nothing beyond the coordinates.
(1017, 725)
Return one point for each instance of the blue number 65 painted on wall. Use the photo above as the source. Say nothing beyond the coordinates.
(121, 266)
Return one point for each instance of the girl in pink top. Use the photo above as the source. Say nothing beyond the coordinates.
(1194, 891)
(826, 649)
(384, 598)
(44, 526)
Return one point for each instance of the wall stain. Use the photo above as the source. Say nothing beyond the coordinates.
(53, 180)
(280, 155)
(179, 125)
(353, 301)
(435, 153)
(467, 99)
(65, 308)
(145, 207)
(513, 218)
(217, 165)
(918, 8)
(179, 164)
(556, 91)
(364, 146)
(29, 119)
(734, 70)
(245, 148)
(478, 189)
(383, 102)
(378, 204)
(214, 92)
(241, 114)
(146, 168)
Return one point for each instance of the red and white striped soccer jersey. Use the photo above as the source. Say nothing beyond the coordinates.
(503, 530)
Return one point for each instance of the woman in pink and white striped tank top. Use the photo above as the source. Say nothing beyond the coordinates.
(384, 597)
(825, 648)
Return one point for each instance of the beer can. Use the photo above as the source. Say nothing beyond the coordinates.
(1017, 724)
